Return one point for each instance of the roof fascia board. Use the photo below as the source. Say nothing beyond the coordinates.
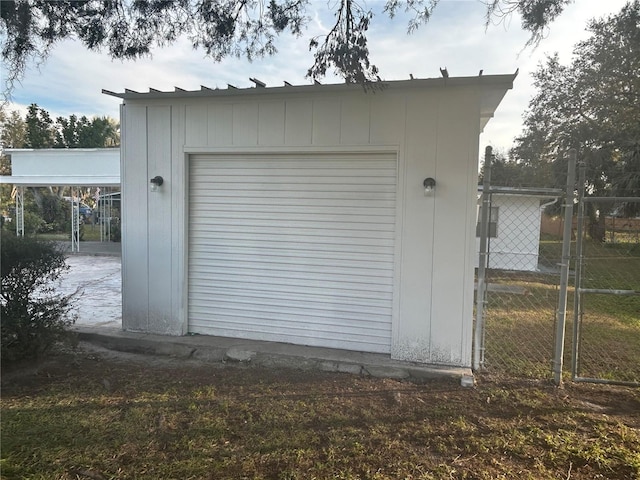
(491, 81)
(49, 180)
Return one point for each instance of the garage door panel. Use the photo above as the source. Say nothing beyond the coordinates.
(292, 253)
(341, 212)
(261, 262)
(370, 194)
(259, 246)
(322, 231)
(296, 163)
(309, 277)
(246, 222)
(297, 237)
(283, 291)
(326, 179)
(308, 282)
(296, 332)
(278, 268)
(275, 294)
(285, 313)
(216, 188)
(210, 299)
(293, 248)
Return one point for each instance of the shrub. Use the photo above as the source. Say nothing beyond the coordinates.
(33, 223)
(33, 317)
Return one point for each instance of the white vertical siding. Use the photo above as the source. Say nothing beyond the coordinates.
(355, 117)
(245, 124)
(298, 122)
(326, 122)
(220, 123)
(178, 275)
(135, 185)
(159, 215)
(197, 124)
(271, 123)
(452, 265)
(412, 335)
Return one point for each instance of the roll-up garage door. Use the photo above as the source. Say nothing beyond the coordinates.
(293, 248)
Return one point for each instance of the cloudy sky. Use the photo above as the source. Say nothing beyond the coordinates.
(72, 78)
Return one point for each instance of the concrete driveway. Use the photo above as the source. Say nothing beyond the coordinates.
(98, 281)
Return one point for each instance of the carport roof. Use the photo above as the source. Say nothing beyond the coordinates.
(60, 180)
(85, 167)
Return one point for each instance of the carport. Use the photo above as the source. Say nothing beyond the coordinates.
(74, 168)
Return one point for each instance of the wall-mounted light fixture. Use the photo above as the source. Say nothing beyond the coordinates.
(156, 182)
(429, 185)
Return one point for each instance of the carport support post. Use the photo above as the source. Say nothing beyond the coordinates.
(75, 220)
(20, 211)
(561, 314)
(478, 352)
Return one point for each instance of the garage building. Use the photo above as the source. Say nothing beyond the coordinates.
(323, 215)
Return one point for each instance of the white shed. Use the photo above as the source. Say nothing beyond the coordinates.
(514, 226)
(299, 214)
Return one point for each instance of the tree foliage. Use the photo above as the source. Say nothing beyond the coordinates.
(34, 317)
(131, 29)
(39, 130)
(593, 105)
(14, 130)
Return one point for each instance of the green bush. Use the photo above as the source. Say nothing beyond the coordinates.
(33, 223)
(33, 316)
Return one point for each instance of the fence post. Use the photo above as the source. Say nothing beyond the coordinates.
(577, 301)
(564, 270)
(478, 352)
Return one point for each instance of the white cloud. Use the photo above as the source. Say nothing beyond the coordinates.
(72, 78)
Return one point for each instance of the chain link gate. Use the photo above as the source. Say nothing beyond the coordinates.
(531, 286)
(518, 279)
(606, 324)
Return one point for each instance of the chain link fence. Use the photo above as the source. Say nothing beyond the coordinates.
(522, 279)
(606, 335)
(520, 275)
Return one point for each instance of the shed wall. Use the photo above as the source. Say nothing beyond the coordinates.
(435, 132)
(517, 241)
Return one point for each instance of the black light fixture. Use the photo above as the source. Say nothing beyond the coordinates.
(156, 182)
(429, 185)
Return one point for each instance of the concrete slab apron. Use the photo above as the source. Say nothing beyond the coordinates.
(269, 354)
(97, 279)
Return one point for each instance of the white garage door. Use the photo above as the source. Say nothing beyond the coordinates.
(293, 248)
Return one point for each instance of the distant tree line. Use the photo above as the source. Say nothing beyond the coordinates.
(38, 130)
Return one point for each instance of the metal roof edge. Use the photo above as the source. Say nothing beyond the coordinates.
(524, 191)
(504, 81)
(46, 180)
(67, 150)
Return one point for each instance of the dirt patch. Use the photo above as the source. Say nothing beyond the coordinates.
(98, 413)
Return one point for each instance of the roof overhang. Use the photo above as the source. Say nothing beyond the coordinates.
(541, 192)
(493, 89)
(60, 181)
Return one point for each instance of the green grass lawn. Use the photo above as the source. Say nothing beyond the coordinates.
(91, 234)
(520, 327)
(95, 416)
